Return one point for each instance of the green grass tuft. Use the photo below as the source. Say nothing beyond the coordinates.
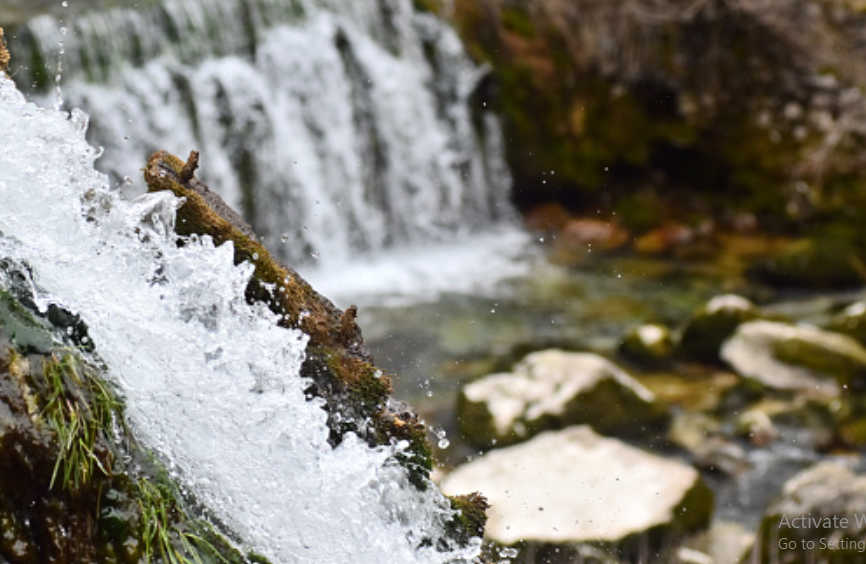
(163, 537)
(81, 409)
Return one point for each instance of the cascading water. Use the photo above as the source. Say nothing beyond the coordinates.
(211, 383)
(339, 127)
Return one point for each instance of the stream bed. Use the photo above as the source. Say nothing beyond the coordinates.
(438, 338)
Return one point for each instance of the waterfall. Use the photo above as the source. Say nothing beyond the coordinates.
(210, 383)
(337, 127)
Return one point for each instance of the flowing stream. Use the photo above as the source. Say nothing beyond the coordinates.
(211, 383)
(339, 129)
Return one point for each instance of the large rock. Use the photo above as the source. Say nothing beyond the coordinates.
(790, 357)
(551, 390)
(574, 486)
(820, 516)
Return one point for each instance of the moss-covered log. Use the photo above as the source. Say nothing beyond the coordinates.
(4, 54)
(357, 393)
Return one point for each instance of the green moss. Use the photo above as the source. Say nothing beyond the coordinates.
(470, 515)
(845, 366)
(367, 386)
(417, 457)
(285, 292)
(516, 20)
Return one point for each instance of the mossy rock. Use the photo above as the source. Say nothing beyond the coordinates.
(850, 420)
(703, 334)
(551, 390)
(850, 321)
(648, 346)
(796, 358)
(822, 496)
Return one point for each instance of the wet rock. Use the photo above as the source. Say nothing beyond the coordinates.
(820, 516)
(551, 390)
(574, 486)
(850, 421)
(721, 455)
(757, 427)
(851, 321)
(723, 542)
(648, 346)
(810, 423)
(789, 357)
(706, 330)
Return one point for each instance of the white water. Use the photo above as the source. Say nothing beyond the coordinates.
(473, 264)
(211, 383)
(339, 126)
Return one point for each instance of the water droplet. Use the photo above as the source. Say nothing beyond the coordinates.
(444, 443)
(62, 31)
(314, 254)
(255, 256)
(284, 237)
(429, 393)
